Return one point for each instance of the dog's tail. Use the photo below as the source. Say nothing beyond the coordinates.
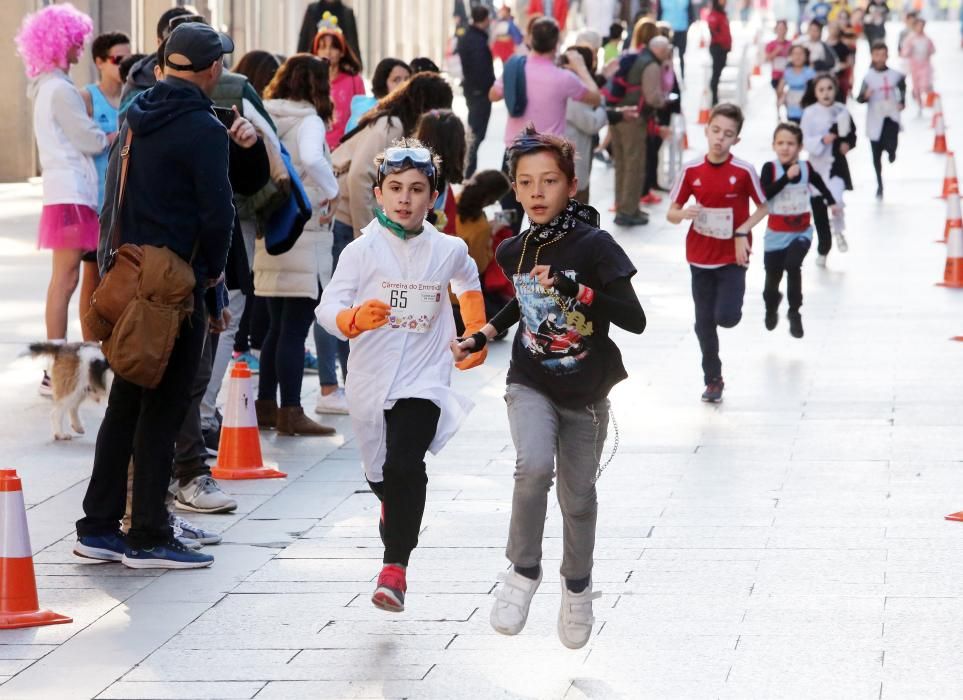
(48, 349)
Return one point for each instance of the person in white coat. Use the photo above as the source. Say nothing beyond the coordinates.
(828, 135)
(389, 297)
(49, 42)
(298, 100)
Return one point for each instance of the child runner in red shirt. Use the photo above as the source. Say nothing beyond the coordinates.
(719, 239)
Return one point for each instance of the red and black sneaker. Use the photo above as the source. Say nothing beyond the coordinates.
(390, 593)
(713, 392)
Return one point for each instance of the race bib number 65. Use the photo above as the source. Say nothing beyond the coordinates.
(414, 305)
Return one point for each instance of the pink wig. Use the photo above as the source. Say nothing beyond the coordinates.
(47, 36)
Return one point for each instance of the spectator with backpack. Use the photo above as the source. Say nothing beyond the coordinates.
(638, 83)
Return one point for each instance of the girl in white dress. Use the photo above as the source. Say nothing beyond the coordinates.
(828, 135)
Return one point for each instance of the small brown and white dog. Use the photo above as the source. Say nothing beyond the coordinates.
(77, 371)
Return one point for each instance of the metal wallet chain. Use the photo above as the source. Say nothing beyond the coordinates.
(558, 300)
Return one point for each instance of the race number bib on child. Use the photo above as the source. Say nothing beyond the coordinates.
(414, 305)
(790, 202)
(714, 223)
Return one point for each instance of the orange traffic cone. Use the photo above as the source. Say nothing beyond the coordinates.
(953, 217)
(705, 107)
(950, 184)
(685, 140)
(937, 111)
(956, 517)
(18, 586)
(953, 273)
(239, 451)
(931, 98)
(939, 140)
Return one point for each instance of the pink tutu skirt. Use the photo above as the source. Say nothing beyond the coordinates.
(68, 226)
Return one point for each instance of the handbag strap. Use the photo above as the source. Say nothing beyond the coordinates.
(121, 186)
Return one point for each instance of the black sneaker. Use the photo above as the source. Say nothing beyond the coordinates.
(640, 218)
(879, 192)
(795, 324)
(772, 318)
(713, 392)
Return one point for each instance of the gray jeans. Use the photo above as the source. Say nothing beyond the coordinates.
(549, 437)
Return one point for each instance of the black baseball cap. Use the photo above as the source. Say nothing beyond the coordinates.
(195, 46)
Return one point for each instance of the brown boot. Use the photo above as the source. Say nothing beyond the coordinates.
(267, 413)
(292, 421)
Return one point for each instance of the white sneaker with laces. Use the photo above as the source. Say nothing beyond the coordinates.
(333, 403)
(575, 618)
(820, 261)
(203, 495)
(190, 544)
(512, 601)
(841, 245)
(186, 530)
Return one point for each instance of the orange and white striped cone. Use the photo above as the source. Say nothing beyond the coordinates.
(19, 606)
(931, 98)
(937, 111)
(953, 272)
(239, 451)
(950, 184)
(939, 139)
(705, 107)
(954, 217)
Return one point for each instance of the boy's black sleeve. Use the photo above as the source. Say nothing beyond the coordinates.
(816, 181)
(618, 303)
(510, 314)
(770, 186)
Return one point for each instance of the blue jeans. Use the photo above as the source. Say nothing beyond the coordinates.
(330, 348)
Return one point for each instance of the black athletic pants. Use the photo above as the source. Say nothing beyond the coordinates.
(788, 260)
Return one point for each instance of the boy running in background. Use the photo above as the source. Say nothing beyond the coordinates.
(884, 93)
(719, 239)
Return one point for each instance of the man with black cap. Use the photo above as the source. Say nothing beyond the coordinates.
(177, 196)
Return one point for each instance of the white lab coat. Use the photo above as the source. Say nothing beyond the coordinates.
(386, 365)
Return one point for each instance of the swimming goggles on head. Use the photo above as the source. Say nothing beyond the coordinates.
(398, 157)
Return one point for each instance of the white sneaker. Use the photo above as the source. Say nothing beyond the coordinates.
(510, 611)
(335, 402)
(185, 530)
(575, 618)
(841, 245)
(203, 495)
(820, 261)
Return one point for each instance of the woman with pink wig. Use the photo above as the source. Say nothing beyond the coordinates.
(49, 41)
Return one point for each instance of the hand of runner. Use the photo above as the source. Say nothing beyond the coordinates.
(462, 349)
(692, 212)
(743, 250)
(543, 273)
(829, 138)
(792, 172)
(843, 148)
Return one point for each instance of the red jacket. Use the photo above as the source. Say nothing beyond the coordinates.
(719, 29)
(559, 10)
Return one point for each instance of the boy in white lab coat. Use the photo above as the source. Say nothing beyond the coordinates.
(389, 297)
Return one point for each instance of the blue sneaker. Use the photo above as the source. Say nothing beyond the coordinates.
(109, 547)
(310, 362)
(253, 363)
(172, 555)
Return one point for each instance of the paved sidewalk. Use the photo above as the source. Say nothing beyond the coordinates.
(789, 542)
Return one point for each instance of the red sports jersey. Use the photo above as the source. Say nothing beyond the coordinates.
(723, 191)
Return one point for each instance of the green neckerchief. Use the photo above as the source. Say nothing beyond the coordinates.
(396, 229)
